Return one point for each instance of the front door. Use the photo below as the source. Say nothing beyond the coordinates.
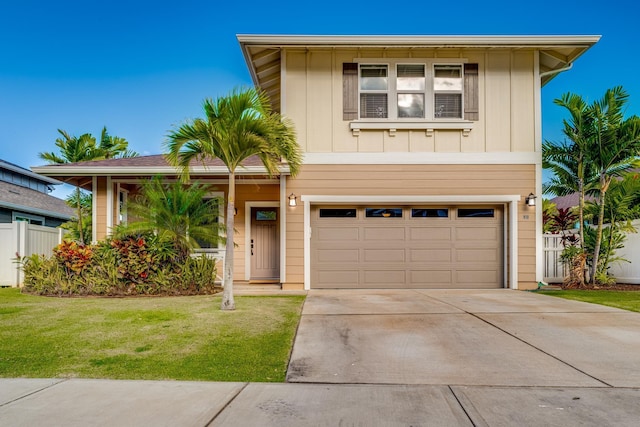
(265, 244)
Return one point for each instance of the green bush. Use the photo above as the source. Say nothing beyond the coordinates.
(131, 265)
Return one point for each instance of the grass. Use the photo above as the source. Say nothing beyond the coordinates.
(179, 338)
(627, 300)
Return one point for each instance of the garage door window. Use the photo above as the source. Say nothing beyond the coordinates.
(383, 212)
(337, 213)
(429, 213)
(476, 213)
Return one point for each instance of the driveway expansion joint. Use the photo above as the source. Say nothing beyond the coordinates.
(477, 316)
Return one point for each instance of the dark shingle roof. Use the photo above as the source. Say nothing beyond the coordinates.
(28, 200)
(156, 160)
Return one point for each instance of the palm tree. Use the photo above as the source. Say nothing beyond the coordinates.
(612, 150)
(174, 212)
(572, 173)
(80, 149)
(235, 128)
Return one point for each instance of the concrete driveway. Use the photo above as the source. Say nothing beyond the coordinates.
(462, 337)
(391, 358)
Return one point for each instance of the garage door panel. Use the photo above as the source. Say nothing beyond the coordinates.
(337, 278)
(384, 233)
(477, 276)
(407, 252)
(430, 233)
(338, 233)
(477, 255)
(430, 255)
(338, 255)
(477, 233)
(384, 255)
(430, 277)
(388, 277)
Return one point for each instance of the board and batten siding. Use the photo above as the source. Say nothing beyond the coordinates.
(413, 180)
(314, 90)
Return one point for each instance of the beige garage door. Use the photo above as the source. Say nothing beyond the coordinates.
(407, 247)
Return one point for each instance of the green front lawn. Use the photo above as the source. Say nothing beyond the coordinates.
(627, 300)
(179, 338)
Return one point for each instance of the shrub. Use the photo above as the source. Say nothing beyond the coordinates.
(132, 265)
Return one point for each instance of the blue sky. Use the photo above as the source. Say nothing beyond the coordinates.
(141, 67)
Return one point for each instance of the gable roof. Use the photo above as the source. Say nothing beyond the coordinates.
(16, 197)
(263, 52)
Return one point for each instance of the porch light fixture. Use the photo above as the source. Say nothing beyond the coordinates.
(293, 200)
(530, 200)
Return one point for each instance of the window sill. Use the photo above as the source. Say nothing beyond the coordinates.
(427, 126)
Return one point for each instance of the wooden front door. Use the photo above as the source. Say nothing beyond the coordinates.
(265, 244)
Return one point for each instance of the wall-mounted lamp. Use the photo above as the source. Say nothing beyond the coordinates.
(530, 200)
(293, 200)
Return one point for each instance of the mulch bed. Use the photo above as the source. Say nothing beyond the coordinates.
(616, 287)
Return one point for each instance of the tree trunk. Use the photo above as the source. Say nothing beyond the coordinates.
(596, 250)
(228, 302)
(581, 219)
(79, 206)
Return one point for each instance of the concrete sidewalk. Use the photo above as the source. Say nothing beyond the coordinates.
(387, 358)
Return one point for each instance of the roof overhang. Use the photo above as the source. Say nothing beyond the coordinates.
(36, 211)
(263, 52)
(78, 171)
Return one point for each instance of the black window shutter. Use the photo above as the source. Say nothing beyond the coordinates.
(349, 91)
(471, 98)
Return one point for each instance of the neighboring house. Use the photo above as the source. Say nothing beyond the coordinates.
(419, 154)
(24, 196)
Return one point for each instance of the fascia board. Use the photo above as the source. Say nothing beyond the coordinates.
(36, 211)
(541, 41)
(99, 171)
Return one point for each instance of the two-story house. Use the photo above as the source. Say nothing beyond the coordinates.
(422, 162)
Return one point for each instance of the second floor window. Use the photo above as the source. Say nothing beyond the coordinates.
(410, 91)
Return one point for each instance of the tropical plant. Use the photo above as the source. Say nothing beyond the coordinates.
(613, 147)
(602, 146)
(175, 211)
(567, 160)
(548, 210)
(235, 127)
(86, 203)
(81, 149)
(621, 207)
(561, 222)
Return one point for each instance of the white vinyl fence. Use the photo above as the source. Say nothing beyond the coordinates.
(624, 272)
(23, 239)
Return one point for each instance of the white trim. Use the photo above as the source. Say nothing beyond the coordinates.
(510, 200)
(284, 205)
(428, 125)
(419, 41)
(149, 170)
(248, 181)
(15, 216)
(422, 158)
(538, 149)
(283, 84)
(109, 207)
(247, 232)
(94, 210)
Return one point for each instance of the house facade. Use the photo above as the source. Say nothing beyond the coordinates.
(24, 196)
(419, 156)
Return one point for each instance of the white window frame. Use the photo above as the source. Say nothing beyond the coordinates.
(447, 92)
(392, 90)
(429, 123)
(15, 216)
